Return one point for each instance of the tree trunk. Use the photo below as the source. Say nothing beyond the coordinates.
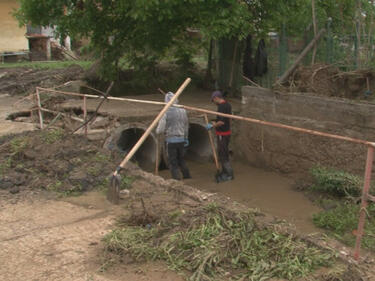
(315, 30)
(208, 77)
(230, 68)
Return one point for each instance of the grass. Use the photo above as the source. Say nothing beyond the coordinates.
(343, 220)
(341, 214)
(16, 146)
(48, 65)
(126, 182)
(52, 136)
(211, 243)
(337, 183)
(101, 158)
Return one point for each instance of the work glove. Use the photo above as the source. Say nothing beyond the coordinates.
(186, 143)
(209, 126)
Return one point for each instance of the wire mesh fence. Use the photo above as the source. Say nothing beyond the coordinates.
(348, 52)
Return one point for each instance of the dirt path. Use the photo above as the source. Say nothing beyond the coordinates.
(44, 239)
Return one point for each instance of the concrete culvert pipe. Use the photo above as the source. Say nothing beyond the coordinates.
(199, 148)
(126, 136)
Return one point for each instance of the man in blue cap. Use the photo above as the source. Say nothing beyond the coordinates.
(175, 125)
(222, 127)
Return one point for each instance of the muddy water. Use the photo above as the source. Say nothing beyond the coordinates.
(270, 192)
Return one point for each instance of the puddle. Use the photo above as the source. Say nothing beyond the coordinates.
(270, 192)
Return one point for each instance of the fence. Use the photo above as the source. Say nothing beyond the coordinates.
(346, 51)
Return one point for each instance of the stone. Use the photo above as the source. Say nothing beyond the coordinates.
(100, 123)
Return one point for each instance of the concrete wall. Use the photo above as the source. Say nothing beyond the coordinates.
(12, 37)
(291, 152)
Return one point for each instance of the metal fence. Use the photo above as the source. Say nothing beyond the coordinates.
(346, 51)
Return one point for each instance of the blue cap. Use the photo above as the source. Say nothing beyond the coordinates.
(216, 94)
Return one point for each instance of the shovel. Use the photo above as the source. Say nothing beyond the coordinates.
(114, 188)
(213, 148)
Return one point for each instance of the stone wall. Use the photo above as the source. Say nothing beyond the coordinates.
(293, 152)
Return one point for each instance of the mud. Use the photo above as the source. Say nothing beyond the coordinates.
(15, 81)
(44, 239)
(256, 188)
(53, 160)
(6, 108)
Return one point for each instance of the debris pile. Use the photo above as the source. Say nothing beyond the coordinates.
(328, 80)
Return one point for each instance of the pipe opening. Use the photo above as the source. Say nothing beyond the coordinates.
(145, 156)
(199, 148)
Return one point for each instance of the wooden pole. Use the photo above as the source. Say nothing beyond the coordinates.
(63, 114)
(39, 109)
(85, 113)
(212, 145)
(300, 57)
(231, 116)
(151, 127)
(233, 64)
(58, 116)
(157, 156)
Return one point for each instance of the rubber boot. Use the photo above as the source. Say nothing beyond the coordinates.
(175, 174)
(228, 170)
(186, 174)
(227, 173)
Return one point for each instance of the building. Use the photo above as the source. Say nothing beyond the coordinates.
(32, 42)
(12, 36)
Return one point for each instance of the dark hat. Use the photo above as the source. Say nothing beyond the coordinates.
(216, 94)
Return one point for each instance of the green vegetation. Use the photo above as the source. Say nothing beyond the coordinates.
(101, 158)
(342, 222)
(341, 213)
(126, 182)
(51, 136)
(335, 182)
(18, 144)
(48, 65)
(211, 243)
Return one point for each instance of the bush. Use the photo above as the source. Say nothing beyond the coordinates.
(337, 183)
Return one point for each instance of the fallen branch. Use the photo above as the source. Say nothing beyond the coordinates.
(251, 81)
(300, 57)
(54, 120)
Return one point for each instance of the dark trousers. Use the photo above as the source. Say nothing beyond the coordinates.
(176, 160)
(223, 148)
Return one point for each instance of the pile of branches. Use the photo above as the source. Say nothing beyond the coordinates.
(212, 243)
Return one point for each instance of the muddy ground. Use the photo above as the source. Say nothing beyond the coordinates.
(46, 232)
(53, 210)
(16, 81)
